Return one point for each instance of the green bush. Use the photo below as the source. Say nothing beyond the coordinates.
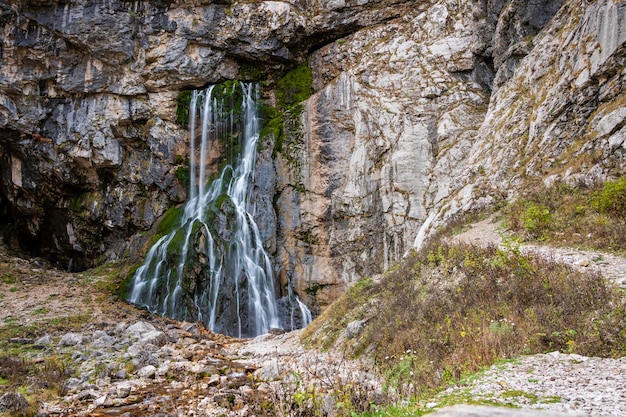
(611, 199)
(537, 220)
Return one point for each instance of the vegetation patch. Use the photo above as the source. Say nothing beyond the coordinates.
(327, 328)
(169, 222)
(295, 87)
(451, 310)
(183, 101)
(283, 121)
(581, 216)
(39, 379)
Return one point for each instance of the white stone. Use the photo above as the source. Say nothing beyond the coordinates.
(139, 328)
(148, 371)
(71, 339)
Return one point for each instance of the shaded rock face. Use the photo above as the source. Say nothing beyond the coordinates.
(88, 97)
(421, 110)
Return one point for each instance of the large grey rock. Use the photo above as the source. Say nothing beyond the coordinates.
(138, 329)
(13, 402)
(71, 339)
(156, 338)
(147, 371)
(44, 341)
(391, 120)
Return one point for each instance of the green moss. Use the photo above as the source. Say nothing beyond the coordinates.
(184, 176)
(513, 394)
(176, 243)
(82, 201)
(170, 220)
(295, 87)
(274, 127)
(250, 72)
(182, 109)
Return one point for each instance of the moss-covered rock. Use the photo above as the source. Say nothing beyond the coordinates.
(295, 87)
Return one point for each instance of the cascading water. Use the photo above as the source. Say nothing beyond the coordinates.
(212, 266)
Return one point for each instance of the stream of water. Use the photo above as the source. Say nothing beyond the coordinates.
(213, 267)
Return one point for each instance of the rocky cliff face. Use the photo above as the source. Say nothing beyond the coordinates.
(88, 98)
(421, 109)
(452, 107)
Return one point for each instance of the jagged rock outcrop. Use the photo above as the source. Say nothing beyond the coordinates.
(449, 108)
(88, 98)
(421, 110)
(559, 117)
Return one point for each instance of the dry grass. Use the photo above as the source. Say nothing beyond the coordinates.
(452, 310)
(49, 374)
(42, 379)
(571, 216)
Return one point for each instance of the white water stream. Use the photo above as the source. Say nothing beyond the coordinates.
(234, 291)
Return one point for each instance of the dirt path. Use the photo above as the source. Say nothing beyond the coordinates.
(38, 297)
(490, 232)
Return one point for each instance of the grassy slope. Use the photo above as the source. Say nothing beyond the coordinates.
(451, 310)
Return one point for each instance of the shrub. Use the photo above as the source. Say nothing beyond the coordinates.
(537, 220)
(571, 216)
(453, 309)
(611, 199)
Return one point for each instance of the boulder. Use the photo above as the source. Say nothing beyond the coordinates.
(71, 339)
(13, 402)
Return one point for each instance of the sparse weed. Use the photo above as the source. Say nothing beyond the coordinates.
(451, 310)
(611, 199)
(8, 278)
(49, 375)
(592, 218)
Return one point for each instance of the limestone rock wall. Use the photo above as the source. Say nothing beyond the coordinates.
(452, 107)
(88, 98)
(421, 110)
(391, 101)
(559, 117)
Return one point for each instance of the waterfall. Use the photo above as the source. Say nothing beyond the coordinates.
(212, 265)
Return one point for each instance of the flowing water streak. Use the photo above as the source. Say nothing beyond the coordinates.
(235, 266)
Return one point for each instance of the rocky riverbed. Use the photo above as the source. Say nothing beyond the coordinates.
(123, 361)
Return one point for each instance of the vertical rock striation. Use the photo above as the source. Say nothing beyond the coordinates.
(421, 110)
(88, 98)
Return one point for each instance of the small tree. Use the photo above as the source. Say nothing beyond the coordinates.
(611, 199)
